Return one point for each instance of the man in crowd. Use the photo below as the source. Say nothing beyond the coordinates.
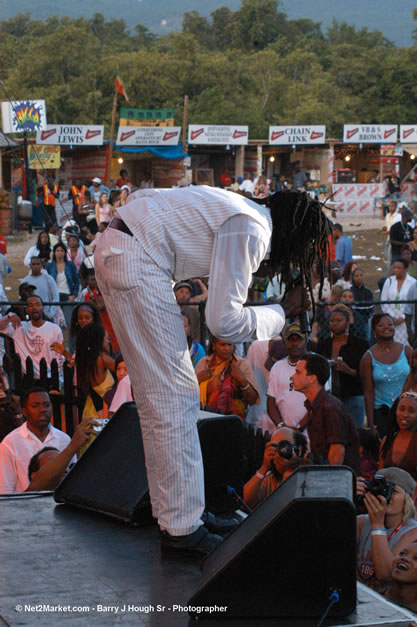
(260, 353)
(97, 188)
(400, 233)
(299, 178)
(46, 287)
(35, 338)
(77, 192)
(50, 193)
(285, 404)
(283, 454)
(330, 428)
(48, 466)
(343, 246)
(17, 448)
(248, 184)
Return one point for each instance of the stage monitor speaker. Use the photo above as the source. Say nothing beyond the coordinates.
(290, 554)
(223, 445)
(110, 477)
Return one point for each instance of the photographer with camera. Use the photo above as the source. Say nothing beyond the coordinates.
(388, 526)
(283, 455)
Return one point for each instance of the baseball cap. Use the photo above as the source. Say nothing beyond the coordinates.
(399, 477)
(26, 286)
(293, 329)
(96, 180)
(183, 284)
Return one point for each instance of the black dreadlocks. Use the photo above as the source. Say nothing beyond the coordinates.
(300, 233)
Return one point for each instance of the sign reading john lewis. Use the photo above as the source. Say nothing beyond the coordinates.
(279, 135)
(71, 135)
(370, 133)
(218, 135)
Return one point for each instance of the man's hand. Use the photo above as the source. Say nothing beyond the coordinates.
(83, 432)
(296, 301)
(15, 320)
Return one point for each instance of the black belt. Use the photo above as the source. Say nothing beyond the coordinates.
(119, 225)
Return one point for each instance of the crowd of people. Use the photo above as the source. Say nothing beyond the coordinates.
(345, 393)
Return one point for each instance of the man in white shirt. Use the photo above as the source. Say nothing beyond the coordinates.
(19, 446)
(36, 338)
(248, 184)
(46, 287)
(174, 234)
(284, 404)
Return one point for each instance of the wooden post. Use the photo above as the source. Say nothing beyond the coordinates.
(185, 126)
(110, 151)
(239, 161)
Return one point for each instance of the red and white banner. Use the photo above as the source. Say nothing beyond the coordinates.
(357, 199)
(71, 135)
(279, 135)
(408, 133)
(219, 135)
(148, 135)
(370, 133)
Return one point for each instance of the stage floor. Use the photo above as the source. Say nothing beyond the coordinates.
(63, 564)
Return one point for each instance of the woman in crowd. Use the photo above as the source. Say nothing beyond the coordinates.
(403, 590)
(104, 211)
(357, 321)
(346, 279)
(82, 315)
(75, 253)
(261, 189)
(124, 193)
(384, 369)
(227, 383)
(65, 275)
(196, 350)
(93, 369)
(396, 288)
(406, 254)
(386, 529)
(345, 352)
(121, 373)
(42, 248)
(362, 294)
(399, 447)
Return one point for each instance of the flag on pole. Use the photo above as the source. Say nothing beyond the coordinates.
(119, 85)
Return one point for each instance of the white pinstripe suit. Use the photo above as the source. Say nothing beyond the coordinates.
(179, 234)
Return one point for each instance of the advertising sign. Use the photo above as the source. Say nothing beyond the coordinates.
(370, 133)
(71, 135)
(219, 135)
(44, 157)
(408, 133)
(148, 136)
(23, 115)
(279, 135)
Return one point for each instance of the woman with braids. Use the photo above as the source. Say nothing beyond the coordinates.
(93, 368)
(161, 235)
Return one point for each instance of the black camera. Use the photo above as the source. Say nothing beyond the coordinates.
(285, 449)
(379, 486)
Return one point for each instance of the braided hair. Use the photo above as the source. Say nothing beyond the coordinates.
(300, 236)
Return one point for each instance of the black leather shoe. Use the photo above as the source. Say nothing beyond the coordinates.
(217, 525)
(197, 544)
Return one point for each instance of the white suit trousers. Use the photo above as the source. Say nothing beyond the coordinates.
(149, 327)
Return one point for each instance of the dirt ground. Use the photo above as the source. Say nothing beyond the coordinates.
(368, 249)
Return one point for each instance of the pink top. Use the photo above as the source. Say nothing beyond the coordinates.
(104, 212)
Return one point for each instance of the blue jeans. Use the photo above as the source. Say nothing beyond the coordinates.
(356, 408)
